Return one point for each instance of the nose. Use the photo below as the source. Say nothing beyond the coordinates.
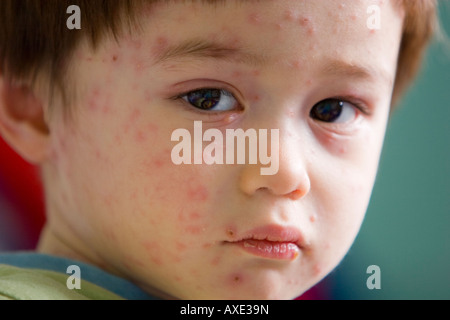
(291, 180)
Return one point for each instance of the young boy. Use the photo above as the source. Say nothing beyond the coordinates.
(130, 119)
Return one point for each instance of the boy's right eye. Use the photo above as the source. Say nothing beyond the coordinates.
(211, 99)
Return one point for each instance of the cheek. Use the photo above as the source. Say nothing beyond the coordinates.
(192, 223)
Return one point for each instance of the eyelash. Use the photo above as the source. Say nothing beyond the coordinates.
(357, 103)
(360, 105)
(180, 98)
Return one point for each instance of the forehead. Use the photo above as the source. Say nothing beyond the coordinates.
(271, 32)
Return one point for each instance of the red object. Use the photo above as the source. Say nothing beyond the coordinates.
(23, 189)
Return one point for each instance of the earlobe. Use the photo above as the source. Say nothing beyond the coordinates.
(22, 121)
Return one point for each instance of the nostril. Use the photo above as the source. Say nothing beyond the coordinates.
(296, 194)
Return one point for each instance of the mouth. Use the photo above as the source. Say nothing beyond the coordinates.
(271, 242)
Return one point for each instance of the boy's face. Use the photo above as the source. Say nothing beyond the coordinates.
(197, 230)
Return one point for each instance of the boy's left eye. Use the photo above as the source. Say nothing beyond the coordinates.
(211, 99)
(333, 111)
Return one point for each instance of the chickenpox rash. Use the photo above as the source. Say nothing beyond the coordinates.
(195, 215)
(195, 229)
(236, 74)
(235, 279)
(160, 45)
(254, 18)
(317, 270)
(154, 251)
(216, 261)
(197, 193)
(304, 21)
(343, 150)
(290, 15)
(99, 101)
(279, 26)
(132, 119)
(296, 64)
(180, 246)
(256, 73)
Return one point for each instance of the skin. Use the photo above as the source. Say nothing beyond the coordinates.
(116, 200)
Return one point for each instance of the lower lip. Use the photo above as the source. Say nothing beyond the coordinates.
(270, 249)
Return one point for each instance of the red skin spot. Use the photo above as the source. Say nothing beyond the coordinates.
(215, 262)
(133, 195)
(342, 150)
(93, 99)
(97, 154)
(135, 114)
(197, 193)
(235, 43)
(159, 163)
(254, 18)
(235, 279)
(289, 15)
(312, 218)
(297, 64)
(118, 139)
(231, 232)
(194, 215)
(207, 245)
(180, 246)
(194, 229)
(317, 270)
(148, 97)
(160, 45)
(304, 21)
(106, 109)
(181, 216)
(154, 251)
(256, 73)
(157, 260)
(140, 137)
(132, 119)
(236, 74)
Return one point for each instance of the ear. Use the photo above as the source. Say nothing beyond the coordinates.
(22, 121)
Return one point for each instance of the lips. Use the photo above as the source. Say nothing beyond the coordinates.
(272, 242)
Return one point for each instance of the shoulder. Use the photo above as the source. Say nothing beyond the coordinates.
(18, 282)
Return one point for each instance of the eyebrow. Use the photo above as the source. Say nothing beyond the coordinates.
(202, 49)
(357, 71)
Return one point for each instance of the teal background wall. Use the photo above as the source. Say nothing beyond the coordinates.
(406, 231)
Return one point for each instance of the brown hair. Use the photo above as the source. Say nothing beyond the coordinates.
(34, 39)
